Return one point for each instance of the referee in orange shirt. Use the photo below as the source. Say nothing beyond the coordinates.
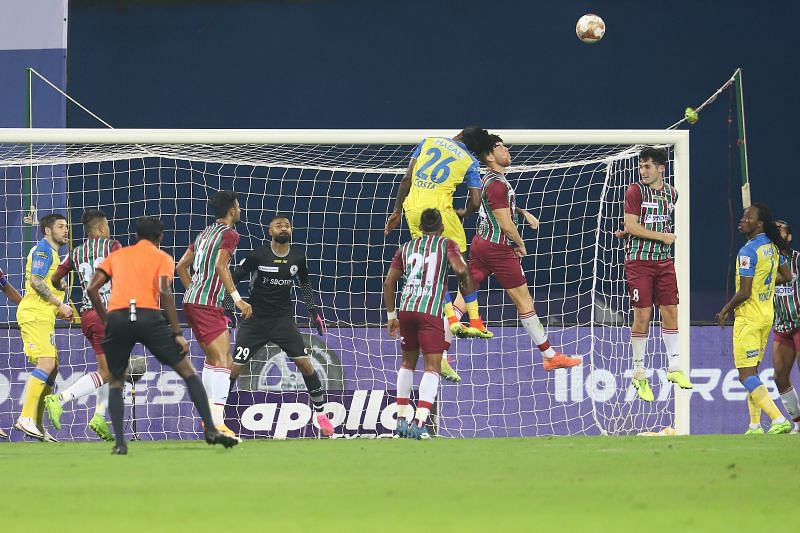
(142, 277)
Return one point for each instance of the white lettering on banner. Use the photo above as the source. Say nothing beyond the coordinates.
(5, 388)
(293, 416)
(171, 387)
(601, 385)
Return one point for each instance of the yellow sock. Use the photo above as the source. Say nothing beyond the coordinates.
(450, 313)
(755, 411)
(472, 310)
(762, 399)
(40, 408)
(33, 392)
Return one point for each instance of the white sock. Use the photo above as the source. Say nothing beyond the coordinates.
(638, 346)
(532, 324)
(101, 400)
(221, 384)
(790, 403)
(428, 388)
(405, 381)
(87, 384)
(207, 376)
(672, 341)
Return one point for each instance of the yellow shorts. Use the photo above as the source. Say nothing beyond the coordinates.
(453, 227)
(38, 339)
(749, 343)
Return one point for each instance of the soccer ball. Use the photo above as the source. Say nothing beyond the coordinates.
(136, 368)
(590, 28)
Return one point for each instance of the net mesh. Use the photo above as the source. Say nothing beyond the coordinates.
(338, 197)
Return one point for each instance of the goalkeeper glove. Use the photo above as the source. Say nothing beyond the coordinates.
(319, 322)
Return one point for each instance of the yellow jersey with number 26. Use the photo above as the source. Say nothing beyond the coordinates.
(442, 165)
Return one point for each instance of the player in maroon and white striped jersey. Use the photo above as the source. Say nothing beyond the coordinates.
(209, 256)
(84, 259)
(649, 266)
(420, 321)
(13, 295)
(786, 337)
(492, 251)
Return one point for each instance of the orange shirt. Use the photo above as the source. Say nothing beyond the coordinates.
(134, 272)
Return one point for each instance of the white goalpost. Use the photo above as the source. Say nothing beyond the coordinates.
(339, 186)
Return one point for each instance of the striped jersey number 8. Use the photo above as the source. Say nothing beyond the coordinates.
(416, 260)
(441, 167)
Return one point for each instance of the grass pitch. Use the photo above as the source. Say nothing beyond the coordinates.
(701, 483)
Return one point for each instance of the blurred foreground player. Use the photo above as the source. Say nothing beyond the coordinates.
(142, 283)
(13, 295)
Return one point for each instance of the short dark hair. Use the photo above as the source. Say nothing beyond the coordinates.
(50, 220)
(222, 202)
(91, 218)
(656, 155)
(473, 137)
(149, 228)
(430, 221)
(488, 144)
(279, 215)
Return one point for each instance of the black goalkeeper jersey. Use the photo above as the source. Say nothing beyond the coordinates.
(271, 279)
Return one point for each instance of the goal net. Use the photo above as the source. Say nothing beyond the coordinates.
(338, 187)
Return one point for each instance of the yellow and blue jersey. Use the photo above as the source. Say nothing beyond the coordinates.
(42, 261)
(758, 259)
(441, 166)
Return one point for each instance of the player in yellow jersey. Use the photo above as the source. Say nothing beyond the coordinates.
(36, 316)
(760, 264)
(438, 166)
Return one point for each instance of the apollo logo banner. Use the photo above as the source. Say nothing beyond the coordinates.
(281, 415)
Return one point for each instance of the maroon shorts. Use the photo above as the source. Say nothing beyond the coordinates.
(421, 331)
(789, 338)
(652, 282)
(487, 258)
(207, 322)
(94, 330)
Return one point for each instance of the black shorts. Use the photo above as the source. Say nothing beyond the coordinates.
(254, 333)
(150, 328)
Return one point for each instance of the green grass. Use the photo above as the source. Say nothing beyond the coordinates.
(702, 483)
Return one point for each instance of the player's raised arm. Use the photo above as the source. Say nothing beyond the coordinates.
(223, 259)
(183, 267)
(402, 192)
(9, 290)
(245, 268)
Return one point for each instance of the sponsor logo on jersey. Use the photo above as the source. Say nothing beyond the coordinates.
(752, 353)
(650, 205)
(784, 290)
(651, 218)
(263, 268)
(744, 261)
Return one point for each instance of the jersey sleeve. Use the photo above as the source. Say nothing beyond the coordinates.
(453, 251)
(473, 177)
(230, 239)
(107, 265)
(65, 267)
(167, 266)
(397, 261)
(497, 195)
(748, 258)
(41, 260)
(115, 246)
(302, 269)
(633, 200)
(417, 150)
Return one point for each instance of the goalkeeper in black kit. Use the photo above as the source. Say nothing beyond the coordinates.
(273, 269)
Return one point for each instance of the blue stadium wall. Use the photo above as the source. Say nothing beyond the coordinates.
(503, 64)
